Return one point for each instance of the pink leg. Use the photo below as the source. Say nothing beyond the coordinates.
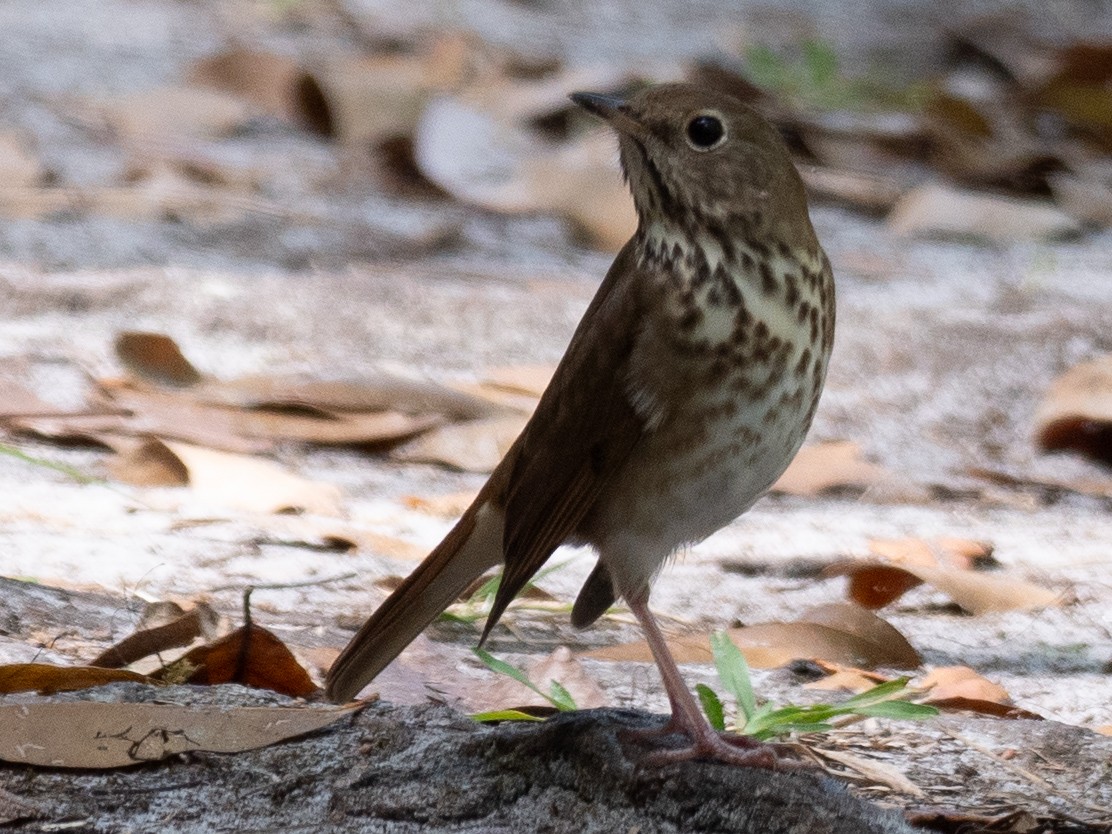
(687, 718)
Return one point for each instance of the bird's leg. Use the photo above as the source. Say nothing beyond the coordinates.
(706, 742)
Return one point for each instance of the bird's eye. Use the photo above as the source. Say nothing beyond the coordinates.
(705, 132)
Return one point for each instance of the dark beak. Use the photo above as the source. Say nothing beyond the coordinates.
(606, 107)
(614, 110)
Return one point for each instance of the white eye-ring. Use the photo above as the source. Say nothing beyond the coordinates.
(706, 131)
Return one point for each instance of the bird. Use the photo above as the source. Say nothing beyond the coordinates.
(685, 391)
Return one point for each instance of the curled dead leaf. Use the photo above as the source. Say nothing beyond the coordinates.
(251, 656)
(476, 446)
(839, 633)
(945, 565)
(233, 480)
(1076, 413)
(276, 84)
(156, 357)
(46, 678)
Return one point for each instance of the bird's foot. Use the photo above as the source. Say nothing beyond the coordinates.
(708, 744)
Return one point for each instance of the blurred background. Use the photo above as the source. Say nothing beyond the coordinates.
(294, 135)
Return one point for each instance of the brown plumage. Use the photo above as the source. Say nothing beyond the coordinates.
(684, 393)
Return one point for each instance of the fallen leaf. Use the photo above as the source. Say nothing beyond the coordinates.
(911, 562)
(1076, 412)
(175, 111)
(476, 446)
(89, 734)
(251, 656)
(157, 358)
(372, 98)
(840, 633)
(846, 679)
(199, 621)
(944, 551)
(1081, 90)
(826, 466)
(962, 682)
(379, 393)
(276, 84)
(938, 210)
(46, 678)
(236, 481)
(1105, 730)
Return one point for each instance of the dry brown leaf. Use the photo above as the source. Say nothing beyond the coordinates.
(372, 98)
(476, 446)
(155, 357)
(560, 666)
(1081, 90)
(945, 565)
(184, 415)
(962, 682)
(938, 210)
(89, 734)
(333, 397)
(944, 551)
(251, 656)
(236, 481)
(174, 111)
(199, 621)
(843, 634)
(276, 84)
(828, 466)
(1104, 730)
(1076, 413)
(46, 678)
(846, 679)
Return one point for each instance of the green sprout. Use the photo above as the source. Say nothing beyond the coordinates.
(556, 695)
(764, 721)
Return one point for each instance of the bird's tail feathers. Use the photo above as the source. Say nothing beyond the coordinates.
(473, 546)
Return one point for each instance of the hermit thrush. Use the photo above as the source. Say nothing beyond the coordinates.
(686, 390)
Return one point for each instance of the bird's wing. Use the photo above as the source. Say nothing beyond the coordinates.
(583, 431)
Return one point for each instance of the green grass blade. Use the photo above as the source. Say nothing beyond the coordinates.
(712, 706)
(733, 671)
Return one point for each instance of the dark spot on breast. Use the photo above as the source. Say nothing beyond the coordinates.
(784, 250)
(804, 361)
(597, 457)
(690, 319)
(791, 289)
(804, 311)
(768, 281)
(747, 261)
